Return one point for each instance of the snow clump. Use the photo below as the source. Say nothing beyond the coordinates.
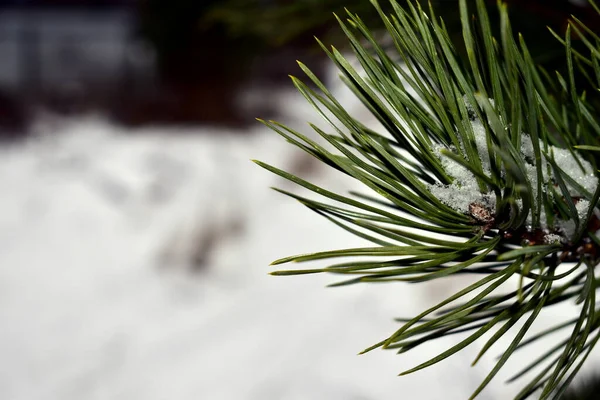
(463, 193)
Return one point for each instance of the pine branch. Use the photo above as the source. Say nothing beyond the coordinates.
(482, 169)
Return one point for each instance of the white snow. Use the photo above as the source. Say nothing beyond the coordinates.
(100, 298)
(527, 149)
(582, 207)
(464, 192)
(552, 238)
(568, 163)
(481, 145)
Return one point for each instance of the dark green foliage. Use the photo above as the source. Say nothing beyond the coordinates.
(262, 19)
(185, 42)
(499, 131)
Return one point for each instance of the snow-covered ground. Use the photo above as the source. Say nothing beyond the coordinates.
(133, 265)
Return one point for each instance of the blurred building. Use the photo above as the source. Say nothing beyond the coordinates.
(70, 55)
(138, 62)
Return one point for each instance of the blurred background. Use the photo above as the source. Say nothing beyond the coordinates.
(135, 233)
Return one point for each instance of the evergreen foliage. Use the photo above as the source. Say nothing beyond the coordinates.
(261, 19)
(487, 167)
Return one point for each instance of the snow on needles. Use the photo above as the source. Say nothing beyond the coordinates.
(464, 192)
